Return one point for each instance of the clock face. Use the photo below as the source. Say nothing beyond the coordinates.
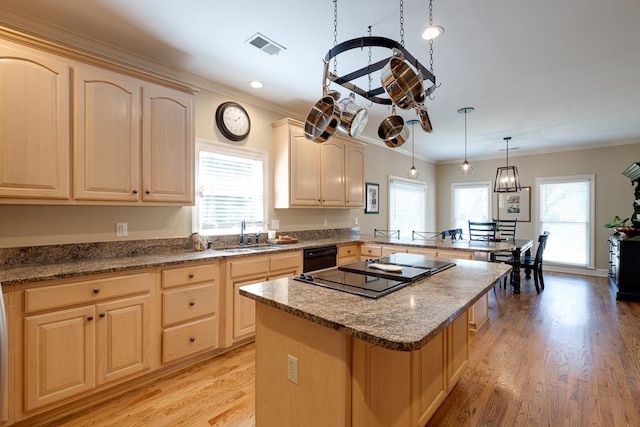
(233, 121)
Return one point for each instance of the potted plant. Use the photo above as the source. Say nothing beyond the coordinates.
(619, 224)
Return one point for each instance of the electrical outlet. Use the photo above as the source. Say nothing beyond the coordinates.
(355, 221)
(121, 229)
(275, 224)
(292, 369)
(325, 222)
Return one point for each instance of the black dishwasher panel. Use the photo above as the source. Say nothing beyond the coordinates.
(319, 258)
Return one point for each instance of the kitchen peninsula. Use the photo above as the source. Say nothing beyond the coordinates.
(363, 362)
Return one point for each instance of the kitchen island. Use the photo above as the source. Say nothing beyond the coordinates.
(355, 361)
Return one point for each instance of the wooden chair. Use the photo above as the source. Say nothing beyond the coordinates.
(507, 230)
(386, 233)
(482, 230)
(455, 234)
(535, 264)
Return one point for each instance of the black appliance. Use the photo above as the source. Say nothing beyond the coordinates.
(365, 278)
(319, 258)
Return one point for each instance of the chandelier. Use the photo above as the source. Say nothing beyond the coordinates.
(507, 178)
(402, 85)
(465, 168)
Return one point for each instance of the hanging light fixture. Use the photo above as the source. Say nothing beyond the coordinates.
(413, 172)
(432, 31)
(465, 168)
(507, 178)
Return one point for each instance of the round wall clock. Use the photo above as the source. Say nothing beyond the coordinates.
(233, 121)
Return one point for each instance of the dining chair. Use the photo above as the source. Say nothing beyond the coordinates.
(507, 230)
(533, 264)
(482, 230)
(455, 234)
(386, 233)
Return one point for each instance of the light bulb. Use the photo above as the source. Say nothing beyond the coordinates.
(431, 32)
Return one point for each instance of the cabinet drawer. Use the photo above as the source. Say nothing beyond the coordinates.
(347, 251)
(56, 296)
(192, 338)
(456, 254)
(252, 266)
(286, 262)
(367, 251)
(189, 303)
(188, 275)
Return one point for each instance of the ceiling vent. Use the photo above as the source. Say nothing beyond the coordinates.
(265, 44)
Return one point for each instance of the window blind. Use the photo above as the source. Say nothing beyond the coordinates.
(470, 203)
(565, 212)
(231, 189)
(407, 206)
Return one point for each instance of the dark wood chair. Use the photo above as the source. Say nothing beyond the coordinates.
(534, 264)
(386, 233)
(485, 231)
(507, 230)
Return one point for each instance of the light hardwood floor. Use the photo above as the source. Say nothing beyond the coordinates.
(567, 357)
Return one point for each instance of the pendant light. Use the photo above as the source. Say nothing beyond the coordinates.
(413, 172)
(507, 178)
(465, 168)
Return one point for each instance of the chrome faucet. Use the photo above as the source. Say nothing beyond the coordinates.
(243, 226)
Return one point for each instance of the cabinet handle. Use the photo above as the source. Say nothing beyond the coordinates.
(135, 191)
(147, 192)
(90, 318)
(192, 303)
(192, 339)
(191, 276)
(96, 290)
(101, 315)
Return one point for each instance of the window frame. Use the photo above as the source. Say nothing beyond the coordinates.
(474, 184)
(235, 151)
(591, 178)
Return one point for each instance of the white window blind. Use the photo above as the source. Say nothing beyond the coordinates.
(565, 211)
(230, 189)
(470, 202)
(407, 206)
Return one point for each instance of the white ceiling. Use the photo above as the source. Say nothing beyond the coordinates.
(551, 74)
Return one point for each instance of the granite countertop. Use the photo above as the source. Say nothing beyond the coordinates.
(404, 320)
(448, 244)
(64, 269)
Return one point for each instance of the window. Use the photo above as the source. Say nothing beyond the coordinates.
(407, 205)
(566, 212)
(231, 187)
(470, 202)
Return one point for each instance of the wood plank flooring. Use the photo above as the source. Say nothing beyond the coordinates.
(567, 357)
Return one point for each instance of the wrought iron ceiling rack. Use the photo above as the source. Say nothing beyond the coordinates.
(372, 41)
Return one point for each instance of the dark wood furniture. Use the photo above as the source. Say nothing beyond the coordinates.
(534, 264)
(624, 258)
(482, 231)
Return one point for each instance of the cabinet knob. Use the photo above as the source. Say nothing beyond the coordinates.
(192, 339)
(96, 290)
(101, 315)
(147, 192)
(191, 276)
(135, 191)
(192, 303)
(90, 318)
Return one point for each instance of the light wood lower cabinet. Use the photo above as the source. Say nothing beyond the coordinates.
(348, 254)
(346, 381)
(86, 337)
(190, 310)
(241, 271)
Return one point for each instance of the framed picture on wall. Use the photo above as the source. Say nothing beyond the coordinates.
(372, 202)
(515, 205)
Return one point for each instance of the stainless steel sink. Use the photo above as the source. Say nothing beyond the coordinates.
(249, 249)
(238, 250)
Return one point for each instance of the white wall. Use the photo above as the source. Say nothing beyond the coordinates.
(613, 191)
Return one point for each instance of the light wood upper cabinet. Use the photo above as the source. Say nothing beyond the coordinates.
(34, 124)
(107, 135)
(167, 149)
(309, 174)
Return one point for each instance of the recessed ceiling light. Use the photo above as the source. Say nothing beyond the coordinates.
(432, 32)
(256, 84)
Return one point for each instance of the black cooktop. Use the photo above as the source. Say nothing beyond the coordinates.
(361, 279)
(414, 267)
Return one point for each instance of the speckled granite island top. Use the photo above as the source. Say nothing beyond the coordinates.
(404, 320)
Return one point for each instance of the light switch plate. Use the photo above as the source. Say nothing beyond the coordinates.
(121, 229)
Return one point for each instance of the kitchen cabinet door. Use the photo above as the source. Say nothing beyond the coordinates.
(168, 146)
(59, 355)
(305, 170)
(34, 125)
(107, 135)
(354, 175)
(123, 338)
(332, 173)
